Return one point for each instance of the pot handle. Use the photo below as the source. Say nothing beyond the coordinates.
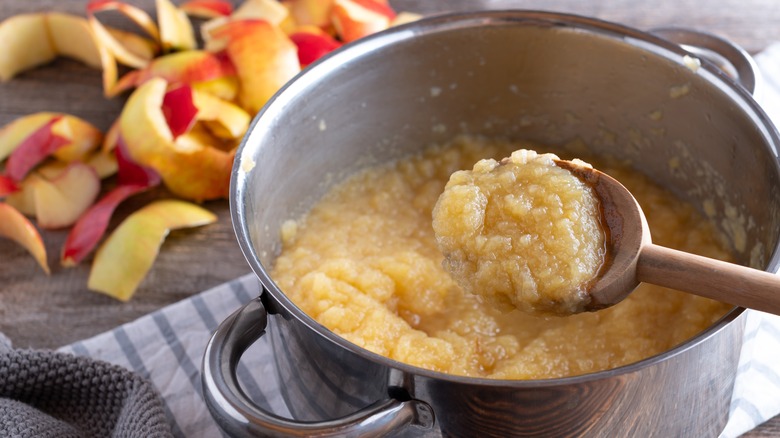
(724, 54)
(237, 415)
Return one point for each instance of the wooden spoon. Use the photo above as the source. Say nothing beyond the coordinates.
(633, 258)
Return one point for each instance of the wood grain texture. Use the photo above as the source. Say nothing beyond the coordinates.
(39, 311)
(710, 278)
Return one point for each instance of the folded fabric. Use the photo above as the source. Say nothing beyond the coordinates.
(49, 394)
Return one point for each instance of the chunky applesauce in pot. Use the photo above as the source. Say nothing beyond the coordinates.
(364, 262)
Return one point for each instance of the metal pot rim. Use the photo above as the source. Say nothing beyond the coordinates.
(634, 37)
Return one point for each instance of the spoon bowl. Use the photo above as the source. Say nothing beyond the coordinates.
(632, 257)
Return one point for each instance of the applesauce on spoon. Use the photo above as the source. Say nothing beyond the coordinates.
(549, 236)
(364, 262)
(522, 233)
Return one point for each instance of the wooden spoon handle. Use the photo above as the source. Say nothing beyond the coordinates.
(721, 281)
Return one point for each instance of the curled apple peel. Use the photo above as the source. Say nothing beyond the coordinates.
(355, 19)
(23, 198)
(91, 226)
(311, 12)
(118, 50)
(193, 171)
(71, 37)
(179, 109)
(270, 11)
(175, 28)
(14, 226)
(16, 132)
(34, 149)
(87, 231)
(190, 67)
(61, 200)
(124, 259)
(25, 44)
(103, 163)
(30, 40)
(115, 46)
(135, 14)
(312, 45)
(223, 118)
(132, 173)
(145, 48)
(7, 186)
(31, 139)
(82, 138)
(207, 8)
(262, 69)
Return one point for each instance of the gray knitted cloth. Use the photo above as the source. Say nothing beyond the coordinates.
(47, 394)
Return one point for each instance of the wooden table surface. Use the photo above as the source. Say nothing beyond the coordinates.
(46, 312)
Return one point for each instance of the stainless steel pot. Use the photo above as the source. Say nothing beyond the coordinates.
(544, 77)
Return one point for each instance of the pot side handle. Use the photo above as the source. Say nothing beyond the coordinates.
(722, 53)
(237, 415)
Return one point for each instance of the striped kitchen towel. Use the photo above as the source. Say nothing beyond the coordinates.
(167, 346)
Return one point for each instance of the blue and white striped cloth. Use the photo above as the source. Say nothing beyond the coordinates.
(167, 346)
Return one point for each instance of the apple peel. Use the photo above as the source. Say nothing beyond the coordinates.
(92, 225)
(25, 44)
(188, 67)
(179, 110)
(176, 31)
(207, 8)
(378, 7)
(71, 36)
(118, 51)
(110, 71)
(14, 226)
(103, 163)
(223, 118)
(311, 12)
(140, 46)
(262, 69)
(82, 137)
(313, 45)
(356, 19)
(34, 149)
(7, 186)
(14, 133)
(127, 255)
(130, 172)
(195, 173)
(30, 40)
(269, 11)
(135, 14)
(60, 201)
(23, 199)
(225, 88)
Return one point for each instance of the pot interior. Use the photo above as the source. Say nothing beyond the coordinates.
(563, 81)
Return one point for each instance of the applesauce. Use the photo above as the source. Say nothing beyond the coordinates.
(522, 233)
(364, 263)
